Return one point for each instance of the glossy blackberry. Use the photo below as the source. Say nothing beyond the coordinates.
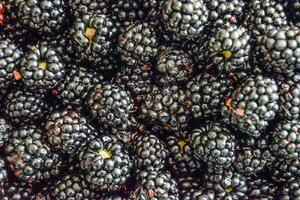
(230, 48)
(41, 68)
(167, 107)
(215, 145)
(227, 185)
(284, 170)
(138, 80)
(72, 187)
(106, 163)
(46, 16)
(174, 66)
(185, 19)
(15, 191)
(76, 86)
(3, 173)
(291, 190)
(10, 56)
(92, 37)
(180, 159)
(149, 152)
(265, 15)
(29, 157)
(111, 106)
(138, 44)
(206, 92)
(68, 131)
(156, 185)
(25, 106)
(187, 186)
(261, 189)
(82, 7)
(294, 8)
(5, 131)
(252, 105)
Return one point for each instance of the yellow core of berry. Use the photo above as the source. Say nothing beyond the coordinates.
(105, 154)
(229, 189)
(43, 65)
(181, 144)
(227, 54)
(90, 33)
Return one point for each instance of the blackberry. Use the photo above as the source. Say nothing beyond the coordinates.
(174, 66)
(46, 16)
(206, 92)
(106, 163)
(261, 189)
(187, 186)
(3, 173)
(185, 19)
(5, 130)
(156, 185)
(111, 105)
(92, 37)
(215, 145)
(138, 44)
(294, 9)
(31, 159)
(25, 106)
(180, 159)
(82, 7)
(72, 187)
(291, 190)
(68, 131)
(230, 48)
(149, 152)
(10, 56)
(252, 105)
(167, 107)
(265, 15)
(227, 185)
(15, 191)
(76, 86)
(138, 80)
(41, 68)
(284, 170)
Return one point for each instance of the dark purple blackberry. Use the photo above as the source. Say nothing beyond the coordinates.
(149, 153)
(5, 131)
(82, 7)
(112, 106)
(106, 163)
(252, 105)
(10, 56)
(92, 37)
(180, 157)
(174, 66)
(68, 131)
(3, 174)
(41, 68)
(16, 191)
(261, 189)
(25, 106)
(284, 170)
(290, 191)
(184, 19)
(76, 86)
(168, 108)
(156, 185)
(138, 44)
(206, 92)
(294, 11)
(29, 157)
(215, 145)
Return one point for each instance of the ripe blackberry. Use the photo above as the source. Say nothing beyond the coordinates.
(185, 19)
(46, 16)
(180, 158)
(74, 89)
(67, 131)
(15, 191)
(92, 37)
(3, 173)
(25, 106)
(111, 105)
(230, 48)
(31, 159)
(265, 15)
(149, 153)
(227, 185)
(215, 145)
(41, 68)
(284, 170)
(206, 92)
(10, 56)
(82, 7)
(5, 130)
(138, 44)
(174, 66)
(290, 191)
(156, 185)
(294, 11)
(106, 163)
(138, 80)
(167, 108)
(187, 186)
(261, 189)
(72, 187)
(251, 106)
